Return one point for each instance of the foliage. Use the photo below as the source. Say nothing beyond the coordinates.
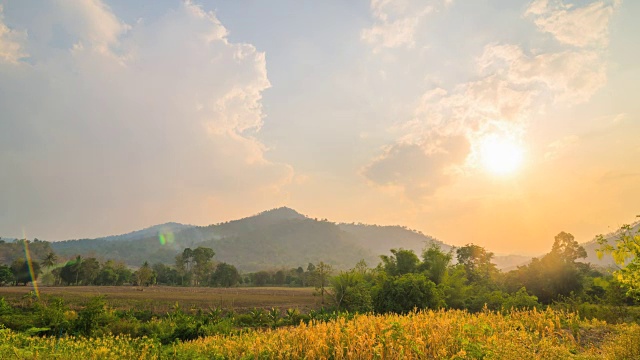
(6, 276)
(556, 274)
(435, 263)
(9, 251)
(320, 278)
(477, 264)
(21, 272)
(626, 253)
(225, 275)
(351, 292)
(400, 262)
(407, 292)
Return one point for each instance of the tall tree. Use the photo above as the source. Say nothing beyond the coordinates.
(203, 265)
(49, 260)
(77, 267)
(567, 248)
(321, 276)
(435, 263)
(144, 275)
(477, 263)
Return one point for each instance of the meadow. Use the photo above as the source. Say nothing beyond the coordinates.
(161, 299)
(443, 334)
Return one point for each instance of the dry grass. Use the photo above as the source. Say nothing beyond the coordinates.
(160, 299)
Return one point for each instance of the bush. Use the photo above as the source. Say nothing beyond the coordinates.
(404, 293)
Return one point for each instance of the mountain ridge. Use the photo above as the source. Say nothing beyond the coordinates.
(279, 237)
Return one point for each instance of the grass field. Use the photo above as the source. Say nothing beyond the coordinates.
(160, 299)
(422, 335)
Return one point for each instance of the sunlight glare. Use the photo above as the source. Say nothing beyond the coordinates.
(500, 155)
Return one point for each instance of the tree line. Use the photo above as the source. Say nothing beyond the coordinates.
(403, 281)
(463, 278)
(192, 267)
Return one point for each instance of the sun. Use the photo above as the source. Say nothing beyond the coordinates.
(500, 155)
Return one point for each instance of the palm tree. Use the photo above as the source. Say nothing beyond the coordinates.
(76, 267)
(49, 260)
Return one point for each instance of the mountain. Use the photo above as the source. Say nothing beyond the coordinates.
(170, 227)
(275, 238)
(380, 239)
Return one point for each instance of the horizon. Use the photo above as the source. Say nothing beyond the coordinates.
(500, 254)
(498, 123)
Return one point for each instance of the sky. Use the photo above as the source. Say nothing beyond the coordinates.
(494, 122)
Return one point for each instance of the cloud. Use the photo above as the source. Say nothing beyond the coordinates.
(581, 26)
(418, 170)
(569, 76)
(396, 22)
(555, 148)
(133, 121)
(512, 85)
(10, 42)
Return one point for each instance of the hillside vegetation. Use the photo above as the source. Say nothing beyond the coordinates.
(278, 238)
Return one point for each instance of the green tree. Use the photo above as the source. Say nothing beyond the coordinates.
(351, 292)
(567, 248)
(203, 265)
(404, 293)
(77, 267)
(107, 274)
(435, 263)
(166, 275)
(144, 276)
(88, 271)
(261, 278)
(626, 254)
(556, 274)
(320, 278)
(477, 263)
(49, 260)
(6, 276)
(226, 275)
(21, 273)
(400, 262)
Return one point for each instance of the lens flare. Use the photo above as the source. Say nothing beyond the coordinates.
(27, 255)
(165, 238)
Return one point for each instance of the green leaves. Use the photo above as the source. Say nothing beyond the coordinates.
(626, 254)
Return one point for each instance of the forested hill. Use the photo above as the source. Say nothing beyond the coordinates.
(170, 227)
(378, 238)
(276, 238)
(273, 239)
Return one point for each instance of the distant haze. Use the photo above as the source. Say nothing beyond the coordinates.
(500, 123)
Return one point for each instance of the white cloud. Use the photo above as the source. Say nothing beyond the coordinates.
(396, 22)
(570, 76)
(10, 42)
(92, 21)
(580, 26)
(134, 120)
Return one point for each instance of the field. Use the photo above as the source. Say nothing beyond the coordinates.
(160, 299)
(422, 335)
